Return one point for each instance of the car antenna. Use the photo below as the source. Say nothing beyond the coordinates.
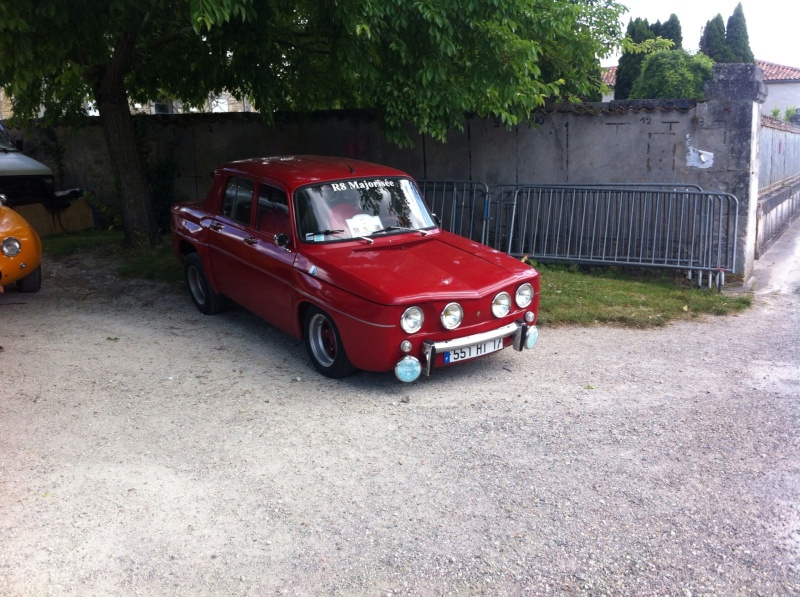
(349, 167)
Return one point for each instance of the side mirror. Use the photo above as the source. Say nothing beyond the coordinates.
(437, 220)
(18, 145)
(3, 199)
(282, 240)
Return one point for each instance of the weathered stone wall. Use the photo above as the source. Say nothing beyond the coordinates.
(711, 144)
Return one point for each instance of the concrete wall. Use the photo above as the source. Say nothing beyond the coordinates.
(782, 95)
(711, 144)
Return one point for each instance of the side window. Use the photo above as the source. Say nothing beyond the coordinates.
(238, 201)
(273, 210)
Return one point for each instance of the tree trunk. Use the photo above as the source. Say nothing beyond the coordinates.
(115, 117)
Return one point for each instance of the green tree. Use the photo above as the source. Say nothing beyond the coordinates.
(630, 63)
(419, 63)
(712, 42)
(731, 45)
(736, 37)
(671, 30)
(674, 74)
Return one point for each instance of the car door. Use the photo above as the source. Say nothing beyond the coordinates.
(270, 266)
(227, 237)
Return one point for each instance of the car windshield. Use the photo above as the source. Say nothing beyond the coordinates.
(360, 208)
(6, 142)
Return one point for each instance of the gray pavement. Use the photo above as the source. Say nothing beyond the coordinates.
(778, 270)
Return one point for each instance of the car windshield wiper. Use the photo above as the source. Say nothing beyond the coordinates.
(399, 228)
(324, 232)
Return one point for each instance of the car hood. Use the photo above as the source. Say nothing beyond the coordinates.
(410, 268)
(13, 163)
(13, 224)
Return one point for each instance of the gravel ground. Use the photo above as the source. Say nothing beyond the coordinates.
(150, 450)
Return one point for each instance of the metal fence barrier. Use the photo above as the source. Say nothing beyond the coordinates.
(658, 225)
(458, 205)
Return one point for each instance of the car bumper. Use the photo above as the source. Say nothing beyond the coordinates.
(517, 334)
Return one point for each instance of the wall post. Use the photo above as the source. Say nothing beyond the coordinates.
(735, 94)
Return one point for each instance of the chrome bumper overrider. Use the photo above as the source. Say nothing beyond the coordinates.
(431, 349)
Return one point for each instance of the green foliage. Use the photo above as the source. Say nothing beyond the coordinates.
(422, 64)
(727, 46)
(642, 39)
(712, 42)
(736, 37)
(674, 74)
(419, 63)
(671, 30)
(788, 113)
(630, 63)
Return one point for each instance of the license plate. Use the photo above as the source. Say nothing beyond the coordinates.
(473, 351)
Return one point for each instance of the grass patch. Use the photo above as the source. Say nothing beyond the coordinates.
(651, 298)
(156, 263)
(570, 294)
(59, 246)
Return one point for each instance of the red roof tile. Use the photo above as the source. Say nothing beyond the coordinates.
(777, 72)
(609, 75)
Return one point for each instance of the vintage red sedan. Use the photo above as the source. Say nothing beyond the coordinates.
(346, 256)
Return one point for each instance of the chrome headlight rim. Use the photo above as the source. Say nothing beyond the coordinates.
(501, 304)
(11, 246)
(524, 295)
(412, 319)
(452, 316)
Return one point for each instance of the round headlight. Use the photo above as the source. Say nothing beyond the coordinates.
(11, 247)
(501, 305)
(452, 315)
(408, 369)
(524, 295)
(412, 320)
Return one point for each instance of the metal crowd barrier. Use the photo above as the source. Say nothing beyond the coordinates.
(654, 225)
(458, 205)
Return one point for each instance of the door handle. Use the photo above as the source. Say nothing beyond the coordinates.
(216, 226)
(250, 241)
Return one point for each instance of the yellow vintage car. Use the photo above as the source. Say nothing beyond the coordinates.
(20, 251)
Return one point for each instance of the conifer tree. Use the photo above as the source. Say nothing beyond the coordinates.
(712, 42)
(630, 64)
(736, 37)
(672, 30)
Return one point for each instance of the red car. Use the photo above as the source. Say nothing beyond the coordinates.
(346, 256)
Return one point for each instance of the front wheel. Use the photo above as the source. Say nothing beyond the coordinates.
(324, 345)
(32, 282)
(205, 299)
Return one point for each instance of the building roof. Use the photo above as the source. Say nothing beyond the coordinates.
(773, 73)
(609, 75)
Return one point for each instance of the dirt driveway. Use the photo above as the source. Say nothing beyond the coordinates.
(149, 450)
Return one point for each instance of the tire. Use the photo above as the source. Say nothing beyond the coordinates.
(324, 345)
(205, 299)
(32, 282)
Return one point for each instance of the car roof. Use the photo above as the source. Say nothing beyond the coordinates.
(298, 170)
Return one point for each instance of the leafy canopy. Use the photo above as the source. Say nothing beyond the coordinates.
(674, 74)
(424, 62)
(419, 63)
(641, 39)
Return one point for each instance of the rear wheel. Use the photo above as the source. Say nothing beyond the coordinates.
(324, 345)
(205, 299)
(32, 282)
